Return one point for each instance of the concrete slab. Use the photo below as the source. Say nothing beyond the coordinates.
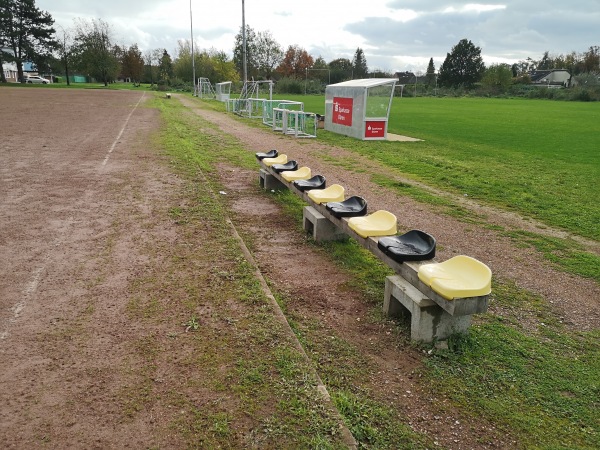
(400, 138)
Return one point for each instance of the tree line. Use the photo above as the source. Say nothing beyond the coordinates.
(90, 48)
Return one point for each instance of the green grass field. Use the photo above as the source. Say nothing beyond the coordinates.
(538, 158)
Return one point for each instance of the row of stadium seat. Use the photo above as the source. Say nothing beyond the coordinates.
(458, 277)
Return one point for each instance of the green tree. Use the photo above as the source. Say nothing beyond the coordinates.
(212, 64)
(27, 31)
(3, 17)
(238, 53)
(182, 66)
(151, 59)
(498, 77)
(95, 52)
(320, 70)
(165, 67)
(341, 70)
(463, 66)
(591, 60)
(268, 54)
(430, 74)
(546, 62)
(223, 67)
(65, 50)
(359, 65)
(132, 64)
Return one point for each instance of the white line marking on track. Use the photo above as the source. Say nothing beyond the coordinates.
(31, 287)
(114, 144)
(29, 290)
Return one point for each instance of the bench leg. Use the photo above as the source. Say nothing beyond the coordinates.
(268, 182)
(428, 321)
(319, 226)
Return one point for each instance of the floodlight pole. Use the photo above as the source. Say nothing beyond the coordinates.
(244, 43)
(193, 62)
(305, 79)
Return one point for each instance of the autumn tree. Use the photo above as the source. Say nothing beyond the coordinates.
(296, 62)
(27, 31)
(132, 64)
(463, 66)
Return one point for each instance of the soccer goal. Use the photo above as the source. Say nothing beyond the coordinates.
(252, 89)
(204, 89)
(271, 119)
(300, 124)
(223, 91)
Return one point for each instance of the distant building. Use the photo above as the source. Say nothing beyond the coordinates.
(10, 68)
(406, 78)
(551, 78)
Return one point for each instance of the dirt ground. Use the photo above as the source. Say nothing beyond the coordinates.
(66, 232)
(76, 189)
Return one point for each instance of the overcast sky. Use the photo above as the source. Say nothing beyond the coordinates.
(395, 35)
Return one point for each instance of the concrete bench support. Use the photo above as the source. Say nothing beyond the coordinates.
(428, 321)
(269, 182)
(319, 226)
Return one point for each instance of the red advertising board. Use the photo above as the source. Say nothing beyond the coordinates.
(342, 111)
(375, 128)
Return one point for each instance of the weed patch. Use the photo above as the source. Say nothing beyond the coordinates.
(240, 381)
(540, 384)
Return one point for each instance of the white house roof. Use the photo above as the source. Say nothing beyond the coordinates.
(366, 82)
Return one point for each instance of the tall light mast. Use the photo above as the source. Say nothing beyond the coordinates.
(244, 43)
(193, 62)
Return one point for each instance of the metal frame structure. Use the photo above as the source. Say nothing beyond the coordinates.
(251, 89)
(204, 89)
(270, 105)
(300, 124)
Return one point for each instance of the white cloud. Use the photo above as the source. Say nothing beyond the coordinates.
(395, 35)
